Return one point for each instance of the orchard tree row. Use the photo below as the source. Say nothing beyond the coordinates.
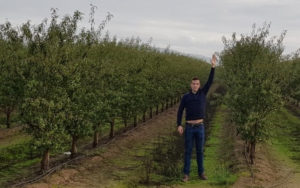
(259, 79)
(293, 83)
(67, 82)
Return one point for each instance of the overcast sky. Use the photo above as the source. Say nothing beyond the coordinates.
(189, 26)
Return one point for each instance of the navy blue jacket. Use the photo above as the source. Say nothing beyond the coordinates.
(195, 103)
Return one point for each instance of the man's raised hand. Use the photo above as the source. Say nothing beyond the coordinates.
(213, 60)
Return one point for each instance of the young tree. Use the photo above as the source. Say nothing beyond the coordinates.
(12, 55)
(254, 80)
(45, 100)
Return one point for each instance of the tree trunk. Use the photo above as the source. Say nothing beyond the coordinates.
(252, 144)
(167, 104)
(125, 122)
(248, 147)
(45, 161)
(96, 139)
(112, 125)
(8, 112)
(151, 114)
(162, 107)
(144, 116)
(252, 152)
(135, 121)
(156, 110)
(74, 146)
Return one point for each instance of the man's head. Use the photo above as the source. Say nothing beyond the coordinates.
(195, 84)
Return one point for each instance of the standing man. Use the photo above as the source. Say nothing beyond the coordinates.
(194, 102)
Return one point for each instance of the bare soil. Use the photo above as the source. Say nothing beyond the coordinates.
(99, 170)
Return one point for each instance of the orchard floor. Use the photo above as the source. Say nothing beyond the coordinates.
(277, 163)
(115, 161)
(117, 164)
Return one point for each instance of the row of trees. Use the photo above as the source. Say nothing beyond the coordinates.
(67, 83)
(258, 78)
(292, 64)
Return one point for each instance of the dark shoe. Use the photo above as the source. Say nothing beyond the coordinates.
(202, 176)
(185, 178)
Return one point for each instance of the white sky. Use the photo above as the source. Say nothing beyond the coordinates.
(189, 26)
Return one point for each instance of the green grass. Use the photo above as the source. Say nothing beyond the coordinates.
(286, 137)
(14, 139)
(217, 172)
(17, 170)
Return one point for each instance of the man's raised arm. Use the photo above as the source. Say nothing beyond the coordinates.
(211, 75)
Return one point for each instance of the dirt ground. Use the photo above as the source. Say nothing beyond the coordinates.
(98, 171)
(102, 171)
(4, 132)
(269, 172)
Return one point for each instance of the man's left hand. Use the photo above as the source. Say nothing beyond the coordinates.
(213, 60)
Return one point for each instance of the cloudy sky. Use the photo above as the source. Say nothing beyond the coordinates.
(188, 26)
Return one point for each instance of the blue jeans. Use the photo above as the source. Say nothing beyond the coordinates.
(191, 134)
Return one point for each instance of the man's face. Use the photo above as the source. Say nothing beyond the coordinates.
(195, 85)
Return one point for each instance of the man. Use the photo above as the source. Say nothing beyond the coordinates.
(194, 102)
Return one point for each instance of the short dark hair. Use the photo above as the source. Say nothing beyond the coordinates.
(195, 78)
